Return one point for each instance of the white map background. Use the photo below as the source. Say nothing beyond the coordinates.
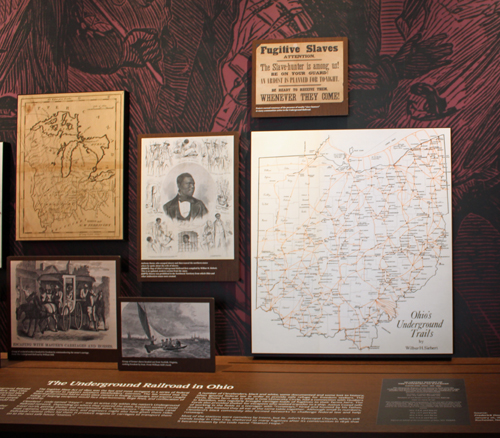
(351, 247)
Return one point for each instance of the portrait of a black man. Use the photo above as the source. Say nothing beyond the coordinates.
(185, 207)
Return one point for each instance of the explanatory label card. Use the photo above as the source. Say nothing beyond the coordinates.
(423, 402)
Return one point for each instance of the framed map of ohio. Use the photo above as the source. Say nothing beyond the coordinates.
(352, 242)
(70, 166)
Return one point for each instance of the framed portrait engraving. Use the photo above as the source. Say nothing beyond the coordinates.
(188, 206)
(300, 77)
(63, 308)
(167, 334)
(70, 166)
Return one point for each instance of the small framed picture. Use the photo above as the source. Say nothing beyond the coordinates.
(167, 334)
(63, 308)
(188, 207)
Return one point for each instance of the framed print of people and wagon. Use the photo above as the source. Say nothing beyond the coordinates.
(63, 308)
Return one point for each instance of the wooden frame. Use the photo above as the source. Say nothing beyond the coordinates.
(300, 77)
(167, 334)
(200, 243)
(63, 308)
(70, 166)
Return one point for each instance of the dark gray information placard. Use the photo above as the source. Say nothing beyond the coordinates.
(423, 402)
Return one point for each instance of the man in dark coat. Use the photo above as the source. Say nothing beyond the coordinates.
(184, 206)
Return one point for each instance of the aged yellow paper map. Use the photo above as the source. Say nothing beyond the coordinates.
(70, 166)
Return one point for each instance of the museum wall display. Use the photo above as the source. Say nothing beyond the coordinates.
(186, 67)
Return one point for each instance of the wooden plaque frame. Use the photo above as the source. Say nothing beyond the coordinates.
(300, 77)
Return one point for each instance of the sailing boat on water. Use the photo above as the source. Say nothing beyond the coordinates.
(153, 335)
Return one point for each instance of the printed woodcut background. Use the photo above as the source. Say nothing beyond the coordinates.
(186, 68)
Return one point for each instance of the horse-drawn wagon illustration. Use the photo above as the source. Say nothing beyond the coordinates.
(59, 298)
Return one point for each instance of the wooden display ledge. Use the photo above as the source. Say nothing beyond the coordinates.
(254, 397)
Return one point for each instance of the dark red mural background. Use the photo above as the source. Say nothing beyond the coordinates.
(186, 68)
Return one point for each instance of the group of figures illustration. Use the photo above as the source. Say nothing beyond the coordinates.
(61, 303)
(186, 67)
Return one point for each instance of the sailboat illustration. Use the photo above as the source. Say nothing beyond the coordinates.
(155, 338)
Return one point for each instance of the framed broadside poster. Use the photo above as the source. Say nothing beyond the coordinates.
(352, 242)
(300, 77)
(188, 207)
(167, 334)
(70, 166)
(63, 308)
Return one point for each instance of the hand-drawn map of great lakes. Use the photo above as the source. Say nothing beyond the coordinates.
(351, 247)
(70, 166)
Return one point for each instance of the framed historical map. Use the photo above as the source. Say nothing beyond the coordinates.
(188, 206)
(63, 308)
(352, 242)
(167, 334)
(70, 166)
